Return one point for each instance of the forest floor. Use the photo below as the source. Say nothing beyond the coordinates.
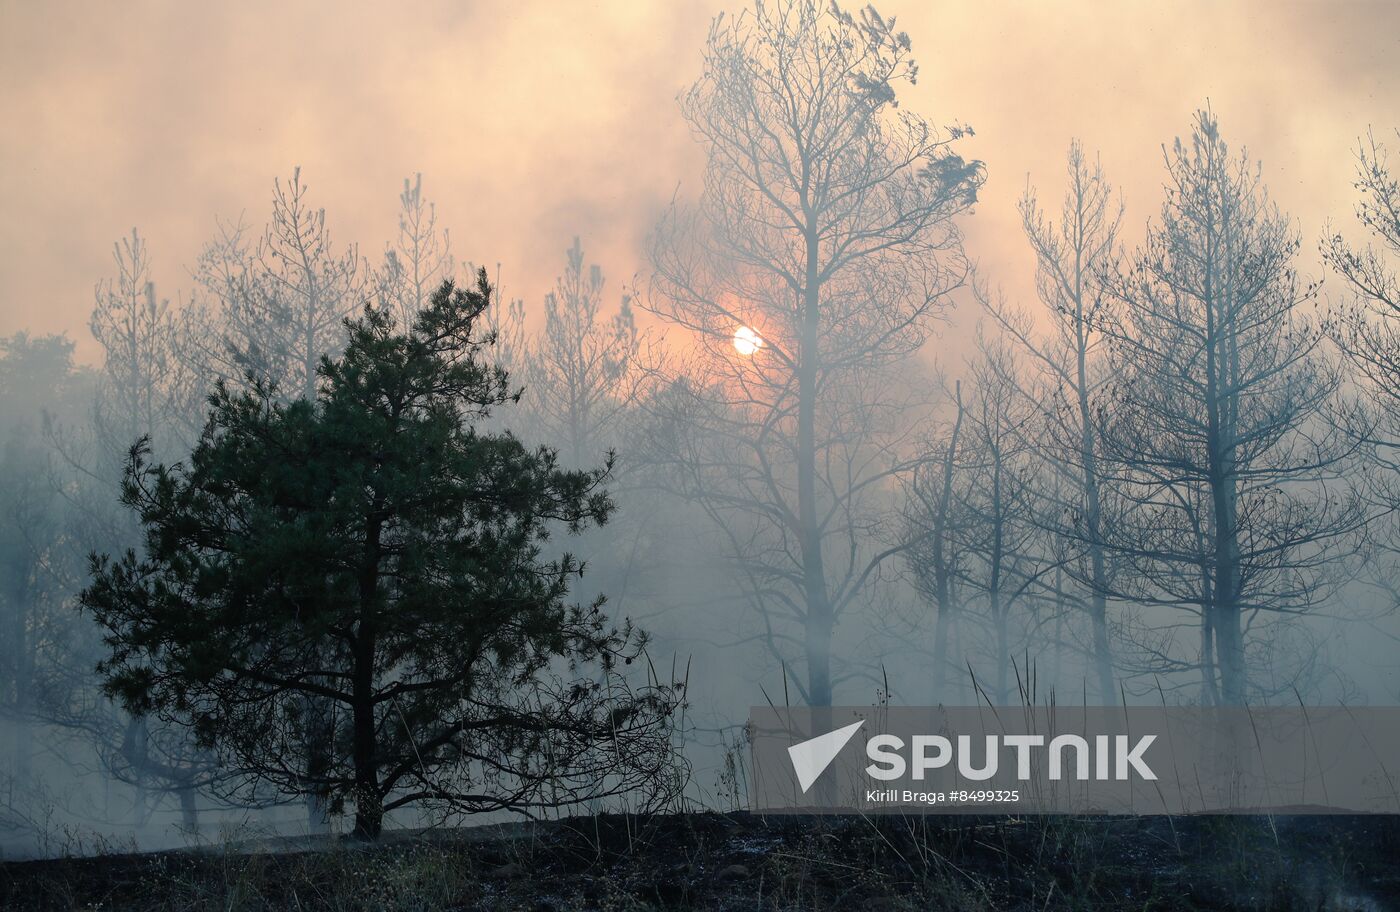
(739, 861)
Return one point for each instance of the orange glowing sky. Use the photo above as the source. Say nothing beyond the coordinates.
(535, 121)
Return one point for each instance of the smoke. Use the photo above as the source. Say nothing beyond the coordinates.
(537, 122)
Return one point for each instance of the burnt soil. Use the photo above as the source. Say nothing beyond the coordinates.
(740, 861)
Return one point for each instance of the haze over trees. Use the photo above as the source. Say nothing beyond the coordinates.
(1061, 373)
(274, 304)
(36, 551)
(583, 365)
(1233, 500)
(826, 228)
(1364, 329)
(310, 538)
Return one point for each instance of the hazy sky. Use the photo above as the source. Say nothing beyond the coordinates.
(532, 122)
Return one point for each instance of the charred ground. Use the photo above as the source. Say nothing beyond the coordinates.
(740, 861)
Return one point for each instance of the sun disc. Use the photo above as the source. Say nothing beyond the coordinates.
(746, 341)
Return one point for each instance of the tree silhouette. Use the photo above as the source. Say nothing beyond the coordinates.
(1230, 497)
(372, 549)
(825, 229)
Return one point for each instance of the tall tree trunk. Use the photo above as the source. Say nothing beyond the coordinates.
(941, 630)
(1209, 684)
(22, 665)
(1003, 682)
(369, 802)
(1225, 620)
(819, 613)
(1059, 666)
(1093, 519)
(136, 745)
(1229, 637)
(942, 560)
(994, 571)
(189, 810)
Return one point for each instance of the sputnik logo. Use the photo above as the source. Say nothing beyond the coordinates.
(810, 758)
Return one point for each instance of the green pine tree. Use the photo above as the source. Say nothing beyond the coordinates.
(373, 554)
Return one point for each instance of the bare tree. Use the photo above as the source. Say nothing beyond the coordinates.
(822, 246)
(420, 258)
(1364, 326)
(1233, 504)
(146, 389)
(582, 367)
(1065, 374)
(504, 320)
(272, 308)
(1003, 558)
(932, 518)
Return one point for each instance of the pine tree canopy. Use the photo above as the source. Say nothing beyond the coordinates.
(372, 566)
